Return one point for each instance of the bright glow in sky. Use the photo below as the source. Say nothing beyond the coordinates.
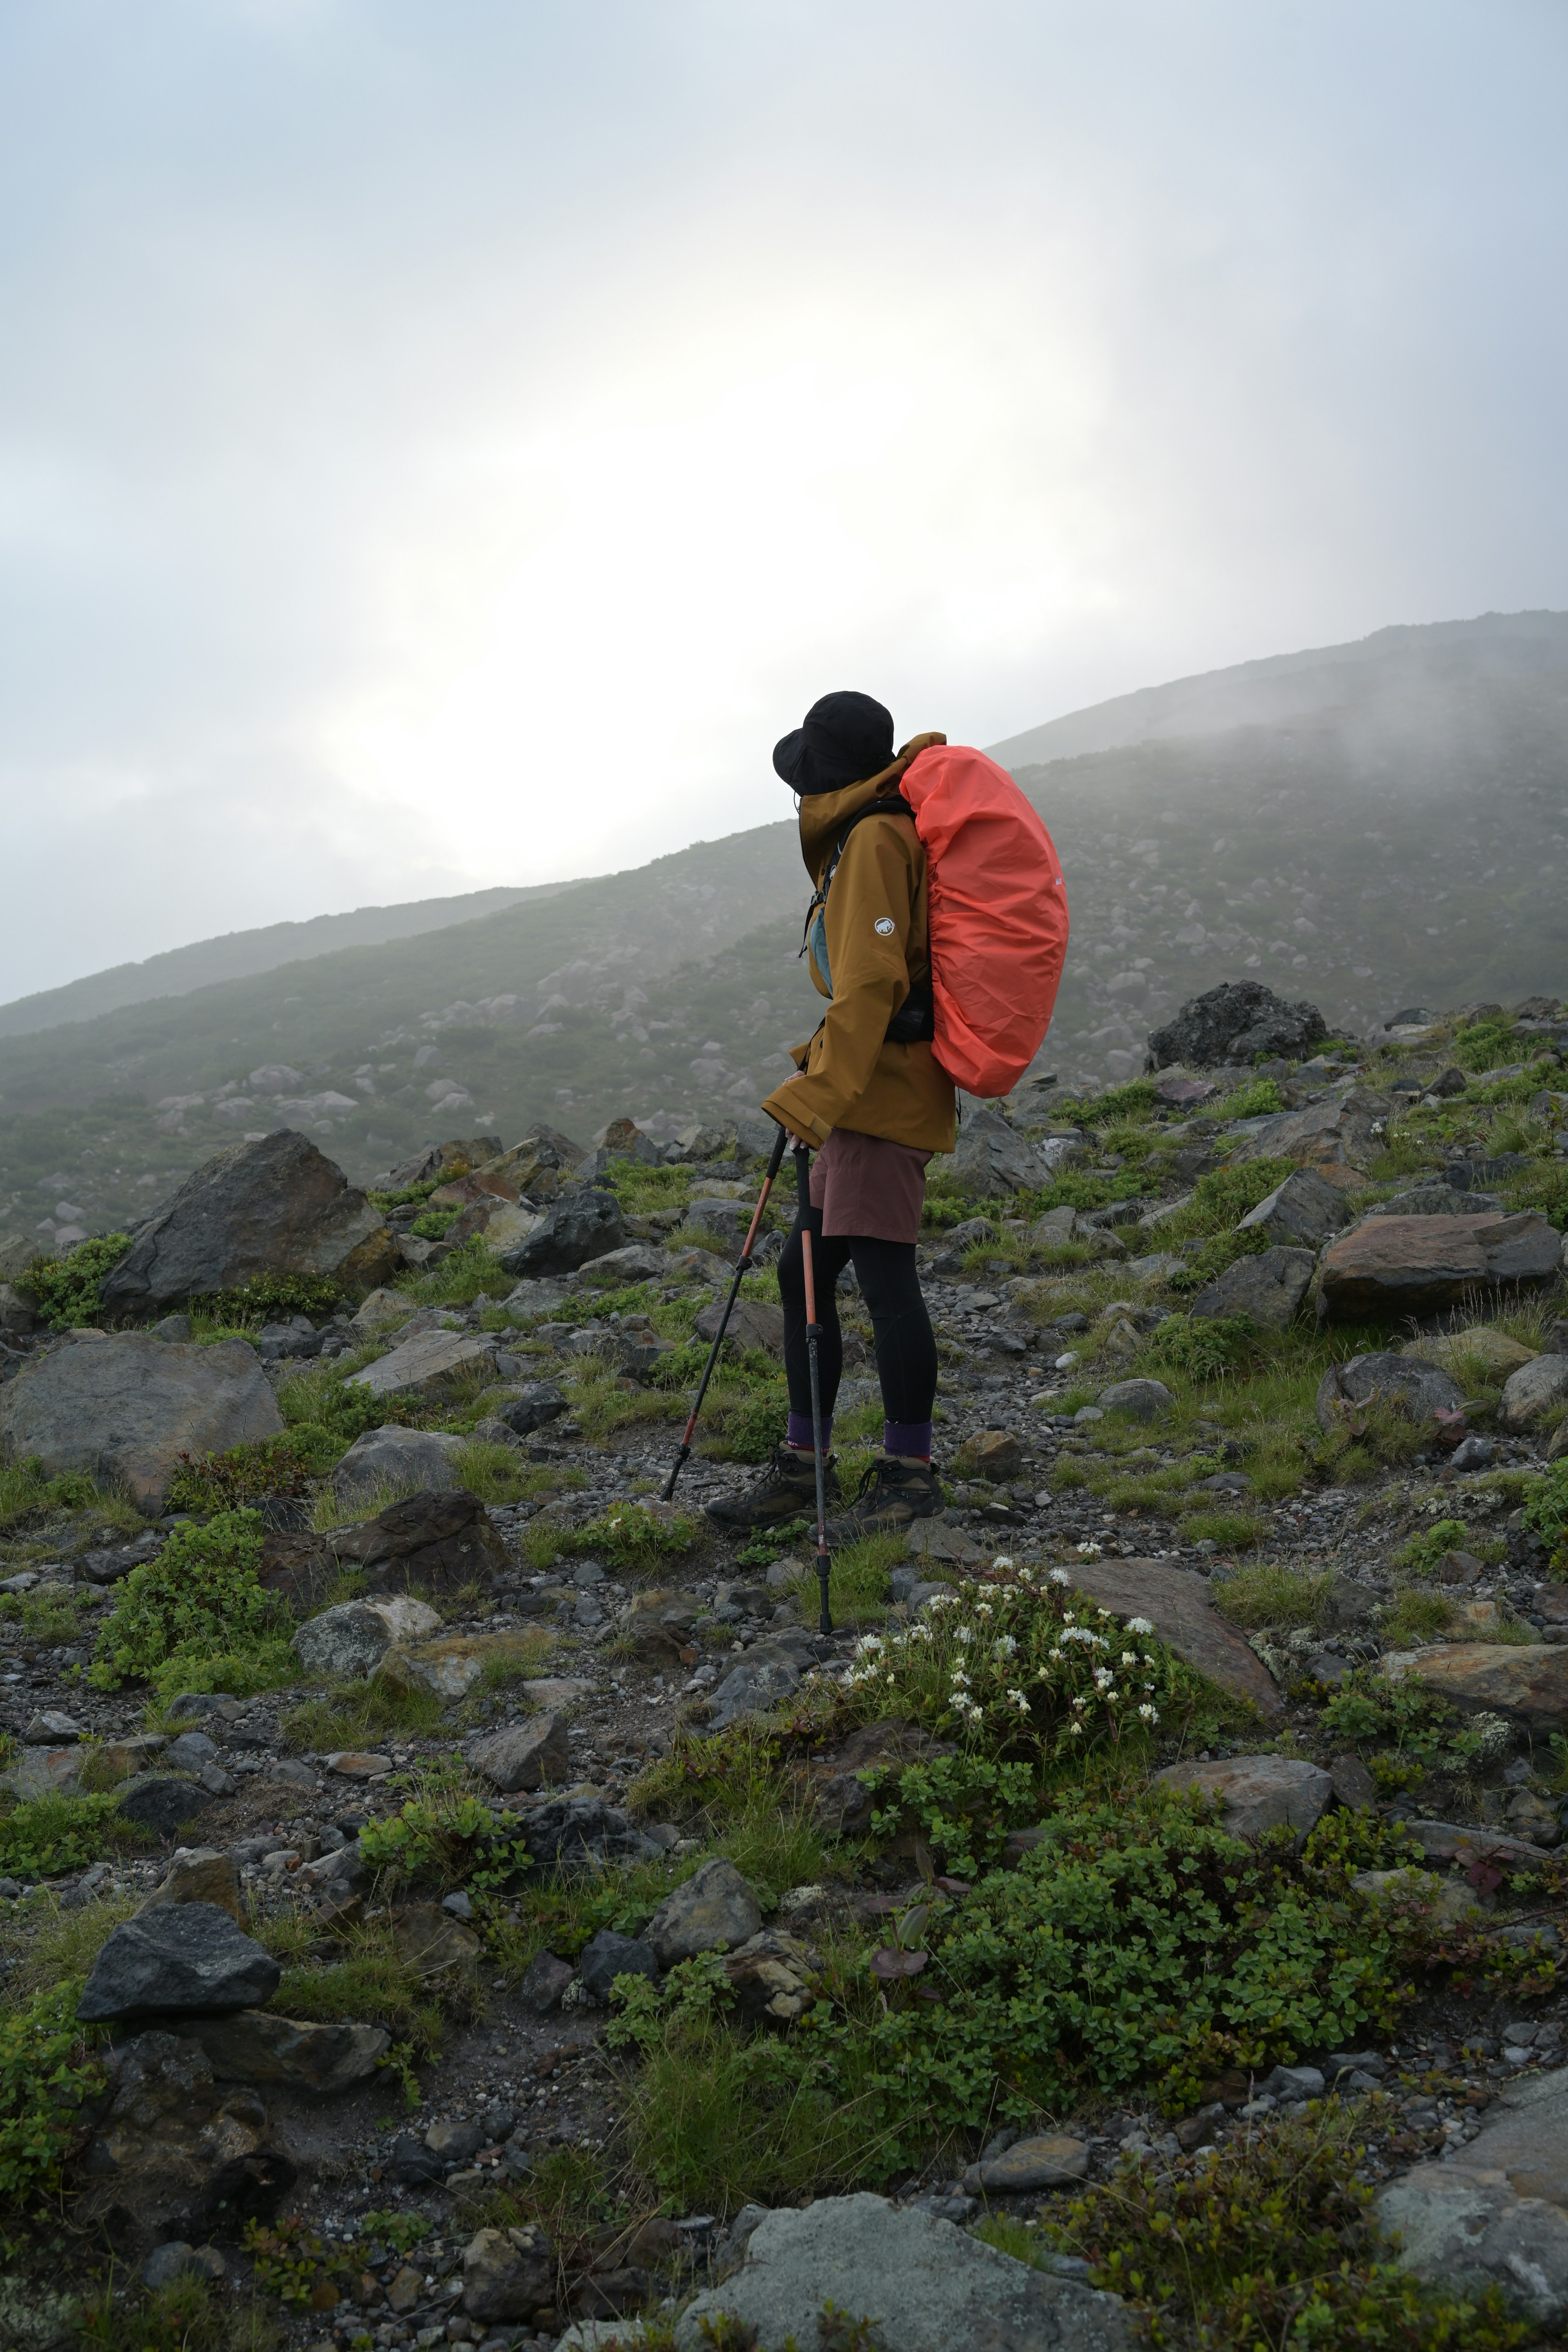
(447, 446)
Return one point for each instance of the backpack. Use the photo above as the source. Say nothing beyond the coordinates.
(998, 918)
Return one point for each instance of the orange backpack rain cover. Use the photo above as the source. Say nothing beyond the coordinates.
(998, 916)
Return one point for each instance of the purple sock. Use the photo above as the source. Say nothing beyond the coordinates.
(907, 1437)
(798, 1433)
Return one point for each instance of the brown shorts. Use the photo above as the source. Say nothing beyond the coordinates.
(867, 1188)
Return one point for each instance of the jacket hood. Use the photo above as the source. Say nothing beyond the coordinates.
(823, 815)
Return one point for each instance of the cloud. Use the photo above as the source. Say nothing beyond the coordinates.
(448, 447)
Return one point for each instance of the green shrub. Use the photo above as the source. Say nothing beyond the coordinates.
(47, 1835)
(1546, 1511)
(1020, 1665)
(434, 1224)
(285, 1465)
(1258, 1100)
(271, 1298)
(447, 1835)
(201, 1597)
(631, 1536)
(1116, 1102)
(747, 1427)
(26, 1493)
(47, 2074)
(1270, 2241)
(1206, 1348)
(1225, 1195)
(1270, 1594)
(1421, 1552)
(65, 1289)
(1486, 1046)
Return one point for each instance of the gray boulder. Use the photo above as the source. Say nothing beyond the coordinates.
(610, 1956)
(391, 1456)
(1300, 1213)
(636, 1262)
(525, 1755)
(159, 1804)
(926, 2285)
(993, 1159)
(183, 1958)
(125, 1408)
(1537, 1392)
(576, 1832)
(1496, 2215)
(723, 1224)
(538, 1403)
(1257, 1792)
(1139, 1399)
(1418, 1389)
(582, 1225)
(352, 1639)
(755, 1323)
(715, 1907)
(276, 1206)
(752, 1687)
(1270, 1287)
(1435, 1200)
(1234, 1022)
(508, 2275)
(287, 2053)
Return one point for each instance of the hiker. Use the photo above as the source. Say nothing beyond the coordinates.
(874, 1104)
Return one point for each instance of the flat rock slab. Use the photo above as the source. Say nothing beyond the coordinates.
(199, 1875)
(1417, 1264)
(429, 1541)
(124, 1408)
(715, 1907)
(925, 2286)
(448, 1668)
(1526, 1685)
(1481, 1344)
(1498, 2215)
(356, 1764)
(289, 2053)
(277, 1205)
(1336, 1130)
(352, 1639)
(526, 1755)
(426, 1364)
(186, 1957)
(1454, 1842)
(1177, 1604)
(1257, 1792)
(1049, 2163)
(1300, 1213)
(936, 1539)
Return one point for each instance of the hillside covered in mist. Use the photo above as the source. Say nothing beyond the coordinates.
(1369, 826)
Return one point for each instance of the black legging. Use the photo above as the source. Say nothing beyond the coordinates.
(906, 1345)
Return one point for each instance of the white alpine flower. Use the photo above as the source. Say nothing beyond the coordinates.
(1057, 1576)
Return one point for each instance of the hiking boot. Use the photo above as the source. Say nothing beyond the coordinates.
(891, 1495)
(786, 1490)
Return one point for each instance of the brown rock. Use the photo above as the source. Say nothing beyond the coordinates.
(1526, 1685)
(288, 2053)
(432, 1941)
(1457, 1568)
(1417, 1264)
(508, 2275)
(1354, 1784)
(1177, 1604)
(994, 1453)
(199, 1875)
(174, 2156)
(773, 1976)
(1029, 2164)
(405, 2289)
(436, 1542)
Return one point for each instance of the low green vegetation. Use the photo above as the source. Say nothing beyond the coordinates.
(47, 2074)
(64, 1290)
(200, 1601)
(43, 1837)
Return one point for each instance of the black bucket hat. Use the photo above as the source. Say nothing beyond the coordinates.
(846, 738)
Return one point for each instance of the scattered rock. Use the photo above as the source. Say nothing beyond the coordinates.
(773, 1975)
(1496, 2213)
(172, 1961)
(1270, 1287)
(636, 1262)
(1257, 1792)
(584, 1225)
(1300, 1213)
(163, 1806)
(351, 1640)
(576, 1832)
(176, 2260)
(395, 1457)
(1416, 1388)
(174, 2158)
(277, 1206)
(538, 1403)
(1525, 1687)
(432, 1941)
(938, 1539)
(714, 1907)
(610, 1956)
(289, 2054)
(124, 1409)
(508, 2275)
(929, 2286)
(1139, 1399)
(198, 1874)
(996, 1453)
(51, 1728)
(1234, 1022)
(1355, 1786)
(544, 1980)
(428, 1365)
(1177, 1604)
(1395, 1266)
(525, 1755)
(992, 1160)
(755, 1686)
(1536, 1392)
(1051, 2163)
(1481, 1344)
(755, 1323)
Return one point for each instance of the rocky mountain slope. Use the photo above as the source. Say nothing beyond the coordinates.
(1376, 826)
(448, 1895)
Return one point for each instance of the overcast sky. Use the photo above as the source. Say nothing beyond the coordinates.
(446, 443)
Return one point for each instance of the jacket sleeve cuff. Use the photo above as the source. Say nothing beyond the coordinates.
(788, 1104)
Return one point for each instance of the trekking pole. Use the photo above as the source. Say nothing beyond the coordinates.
(813, 1334)
(743, 1268)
